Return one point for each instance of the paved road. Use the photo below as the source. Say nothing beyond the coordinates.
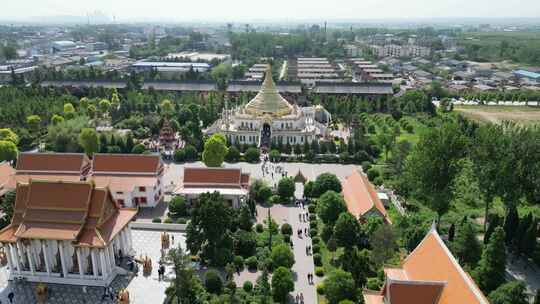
(526, 271)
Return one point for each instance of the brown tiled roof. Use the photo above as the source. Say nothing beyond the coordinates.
(126, 164)
(431, 274)
(25, 178)
(360, 196)
(74, 163)
(212, 176)
(245, 179)
(76, 211)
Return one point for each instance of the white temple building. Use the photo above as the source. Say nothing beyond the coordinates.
(270, 118)
(67, 233)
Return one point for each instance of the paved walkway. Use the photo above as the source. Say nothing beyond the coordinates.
(303, 262)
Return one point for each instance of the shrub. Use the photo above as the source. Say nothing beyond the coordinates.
(178, 206)
(275, 156)
(259, 228)
(373, 283)
(156, 220)
(372, 174)
(213, 282)
(233, 155)
(274, 199)
(239, 262)
(286, 229)
(317, 259)
(248, 286)
(312, 217)
(320, 288)
(282, 255)
(366, 165)
(319, 271)
(252, 155)
(168, 221)
(181, 221)
(312, 209)
(316, 248)
(251, 263)
(315, 240)
(231, 285)
(313, 232)
(313, 225)
(326, 233)
(179, 156)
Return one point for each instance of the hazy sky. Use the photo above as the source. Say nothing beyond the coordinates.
(230, 10)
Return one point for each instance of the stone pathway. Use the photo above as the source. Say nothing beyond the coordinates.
(525, 271)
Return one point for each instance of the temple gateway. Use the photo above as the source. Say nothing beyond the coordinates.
(269, 118)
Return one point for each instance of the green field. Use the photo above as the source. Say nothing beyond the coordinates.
(497, 114)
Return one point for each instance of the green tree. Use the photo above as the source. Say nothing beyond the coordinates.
(282, 284)
(245, 243)
(9, 135)
(347, 230)
(384, 244)
(104, 106)
(358, 263)
(56, 119)
(8, 151)
(233, 155)
(178, 206)
(511, 222)
(330, 206)
(308, 189)
(138, 149)
(510, 293)
(186, 284)
(432, 166)
(69, 111)
(167, 108)
(466, 246)
(260, 191)
(213, 282)
(92, 111)
(208, 232)
(282, 255)
(215, 149)
(286, 188)
(245, 220)
(490, 272)
(6, 207)
(252, 155)
(465, 186)
(33, 121)
(326, 182)
(89, 141)
(339, 285)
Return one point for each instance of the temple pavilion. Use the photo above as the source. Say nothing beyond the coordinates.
(269, 118)
(66, 232)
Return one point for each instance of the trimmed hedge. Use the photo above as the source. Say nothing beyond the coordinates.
(313, 232)
(317, 259)
(259, 228)
(156, 220)
(316, 248)
(286, 229)
(319, 271)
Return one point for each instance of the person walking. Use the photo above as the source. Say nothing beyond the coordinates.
(10, 296)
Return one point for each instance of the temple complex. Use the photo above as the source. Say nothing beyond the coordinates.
(66, 232)
(269, 118)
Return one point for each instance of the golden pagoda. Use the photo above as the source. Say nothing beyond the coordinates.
(268, 101)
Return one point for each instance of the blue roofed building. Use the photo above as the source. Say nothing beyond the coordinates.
(532, 76)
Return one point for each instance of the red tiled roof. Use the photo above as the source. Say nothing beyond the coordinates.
(360, 196)
(74, 163)
(126, 164)
(212, 176)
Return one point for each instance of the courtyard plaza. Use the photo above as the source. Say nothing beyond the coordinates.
(142, 289)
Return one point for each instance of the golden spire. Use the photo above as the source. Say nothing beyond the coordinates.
(268, 100)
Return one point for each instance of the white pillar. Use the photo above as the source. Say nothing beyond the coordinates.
(94, 262)
(120, 238)
(130, 241)
(46, 256)
(111, 256)
(30, 259)
(7, 251)
(15, 257)
(103, 259)
(62, 258)
(79, 262)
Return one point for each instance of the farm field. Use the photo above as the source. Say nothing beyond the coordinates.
(497, 114)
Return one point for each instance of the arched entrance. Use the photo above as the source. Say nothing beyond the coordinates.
(266, 133)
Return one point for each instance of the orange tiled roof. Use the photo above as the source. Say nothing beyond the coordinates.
(74, 163)
(126, 164)
(373, 297)
(76, 211)
(431, 274)
(360, 196)
(25, 178)
(123, 183)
